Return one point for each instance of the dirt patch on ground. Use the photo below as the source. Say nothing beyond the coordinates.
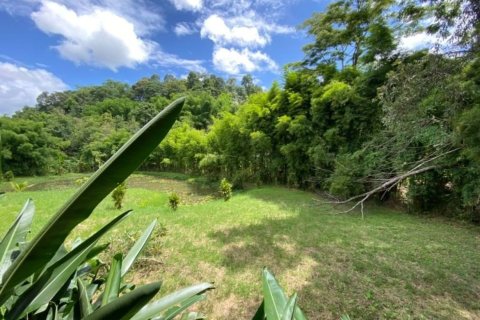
(190, 191)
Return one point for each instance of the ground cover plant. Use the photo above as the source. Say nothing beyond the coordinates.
(391, 265)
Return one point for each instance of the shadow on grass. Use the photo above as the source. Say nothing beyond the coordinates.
(388, 266)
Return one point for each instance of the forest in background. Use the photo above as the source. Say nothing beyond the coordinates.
(356, 116)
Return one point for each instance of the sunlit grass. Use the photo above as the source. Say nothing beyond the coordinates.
(388, 266)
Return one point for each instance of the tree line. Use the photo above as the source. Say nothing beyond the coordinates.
(357, 118)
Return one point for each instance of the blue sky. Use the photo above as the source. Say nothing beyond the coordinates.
(54, 45)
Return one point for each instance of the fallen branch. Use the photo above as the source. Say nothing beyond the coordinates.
(391, 183)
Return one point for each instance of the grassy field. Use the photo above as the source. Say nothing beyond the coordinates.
(388, 266)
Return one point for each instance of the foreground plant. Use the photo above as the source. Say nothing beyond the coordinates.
(41, 279)
(276, 305)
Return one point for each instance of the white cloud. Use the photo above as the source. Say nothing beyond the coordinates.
(424, 40)
(168, 60)
(100, 38)
(416, 41)
(20, 86)
(189, 5)
(233, 61)
(184, 29)
(215, 28)
(144, 14)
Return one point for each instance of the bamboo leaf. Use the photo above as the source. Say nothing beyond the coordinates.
(43, 247)
(112, 287)
(127, 305)
(160, 306)
(137, 248)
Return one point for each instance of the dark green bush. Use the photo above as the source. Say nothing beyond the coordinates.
(173, 201)
(9, 176)
(118, 195)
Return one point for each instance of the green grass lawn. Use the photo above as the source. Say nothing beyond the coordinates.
(388, 266)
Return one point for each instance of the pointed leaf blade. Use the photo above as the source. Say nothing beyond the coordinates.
(137, 248)
(81, 205)
(163, 304)
(127, 305)
(274, 296)
(184, 305)
(112, 287)
(84, 299)
(289, 311)
(55, 277)
(15, 235)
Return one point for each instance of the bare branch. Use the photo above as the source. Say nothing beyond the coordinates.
(392, 182)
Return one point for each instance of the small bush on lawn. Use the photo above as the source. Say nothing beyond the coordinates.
(9, 176)
(225, 189)
(118, 195)
(173, 201)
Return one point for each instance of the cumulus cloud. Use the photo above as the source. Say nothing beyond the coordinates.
(233, 61)
(215, 28)
(416, 41)
(184, 29)
(99, 38)
(144, 14)
(20, 86)
(189, 5)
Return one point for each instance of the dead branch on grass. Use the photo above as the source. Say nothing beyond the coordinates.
(391, 183)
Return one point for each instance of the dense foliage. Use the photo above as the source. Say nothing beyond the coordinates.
(355, 113)
(41, 279)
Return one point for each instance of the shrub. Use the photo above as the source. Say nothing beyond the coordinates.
(225, 189)
(20, 186)
(81, 181)
(9, 176)
(173, 201)
(118, 195)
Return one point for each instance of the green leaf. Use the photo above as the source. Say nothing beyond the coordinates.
(184, 305)
(260, 314)
(289, 310)
(299, 314)
(163, 304)
(15, 235)
(43, 247)
(127, 305)
(192, 316)
(84, 299)
(55, 277)
(137, 248)
(274, 296)
(52, 313)
(112, 287)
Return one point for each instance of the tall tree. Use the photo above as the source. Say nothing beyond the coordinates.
(349, 31)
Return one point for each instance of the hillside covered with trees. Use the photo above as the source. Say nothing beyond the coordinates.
(357, 118)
